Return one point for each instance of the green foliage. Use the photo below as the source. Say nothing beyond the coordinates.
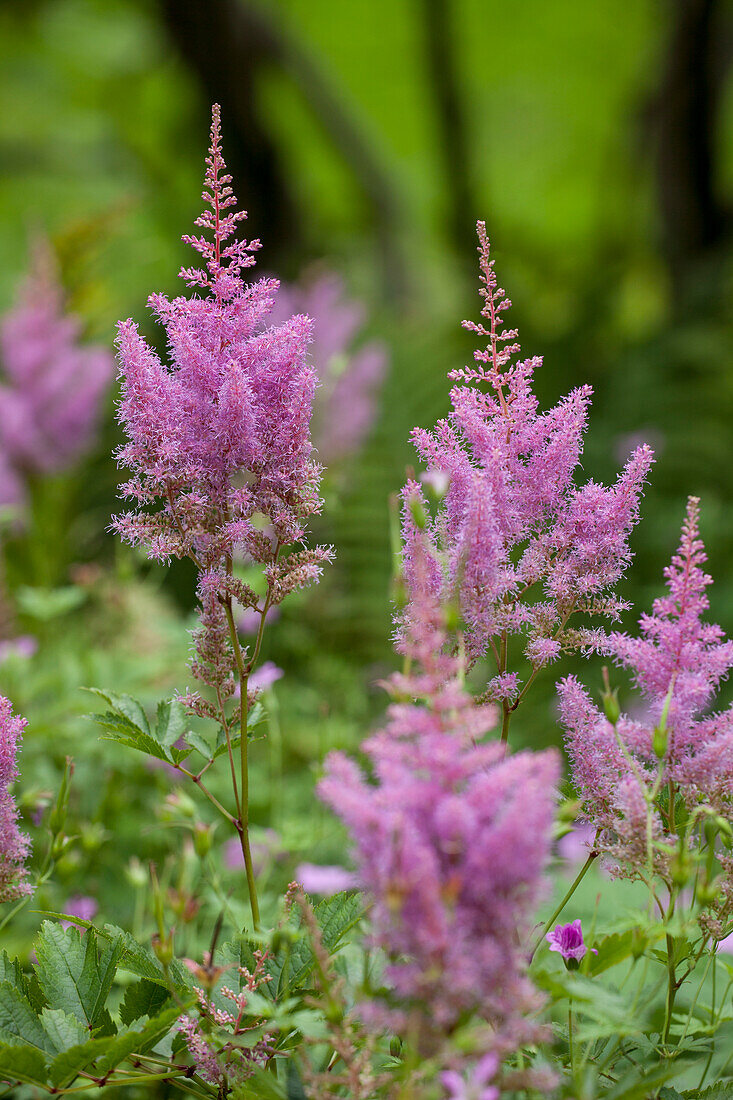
(72, 1030)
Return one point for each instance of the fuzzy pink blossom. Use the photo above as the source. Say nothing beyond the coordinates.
(51, 387)
(14, 845)
(523, 547)
(452, 837)
(677, 662)
(350, 378)
(220, 438)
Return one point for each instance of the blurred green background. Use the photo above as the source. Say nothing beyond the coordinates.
(367, 137)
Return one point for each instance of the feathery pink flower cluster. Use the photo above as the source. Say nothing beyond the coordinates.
(14, 845)
(346, 402)
(514, 523)
(52, 386)
(221, 1061)
(219, 443)
(677, 663)
(452, 838)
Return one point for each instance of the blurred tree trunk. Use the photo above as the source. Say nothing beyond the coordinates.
(228, 43)
(685, 119)
(454, 148)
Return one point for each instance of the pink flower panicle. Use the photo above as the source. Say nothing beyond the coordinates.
(677, 662)
(219, 1060)
(52, 386)
(14, 845)
(218, 442)
(451, 838)
(524, 548)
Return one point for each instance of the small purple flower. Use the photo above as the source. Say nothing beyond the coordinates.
(265, 676)
(84, 908)
(568, 940)
(477, 1087)
(266, 846)
(324, 880)
(24, 647)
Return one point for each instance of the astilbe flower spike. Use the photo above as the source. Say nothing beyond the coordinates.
(677, 662)
(450, 839)
(14, 845)
(51, 387)
(522, 545)
(218, 442)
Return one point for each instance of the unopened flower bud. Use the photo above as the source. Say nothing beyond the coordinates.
(680, 869)
(638, 942)
(418, 513)
(611, 706)
(660, 740)
(163, 949)
(136, 874)
(282, 938)
(707, 892)
(203, 836)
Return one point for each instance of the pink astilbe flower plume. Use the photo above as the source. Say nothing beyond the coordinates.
(677, 662)
(51, 387)
(452, 836)
(218, 441)
(524, 548)
(14, 845)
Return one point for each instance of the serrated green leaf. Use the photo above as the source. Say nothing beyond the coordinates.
(10, 970)
(141, 1039)
(109, 957)
(639, 1084)
(22, 1063)
(126, 707)
(138, 960)
(612, 950)
(63, 1030)
(19, 1021)
(143, 998)
(336, 917)
(721, 1091)
(67, 1066)
(71, 975)
(261, 1085)
(138, 740)
(170, 722)
(200, 744)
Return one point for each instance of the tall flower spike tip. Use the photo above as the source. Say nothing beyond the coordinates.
(224, 262)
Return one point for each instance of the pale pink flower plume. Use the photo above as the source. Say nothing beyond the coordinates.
(14, 845)
(52, 385)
